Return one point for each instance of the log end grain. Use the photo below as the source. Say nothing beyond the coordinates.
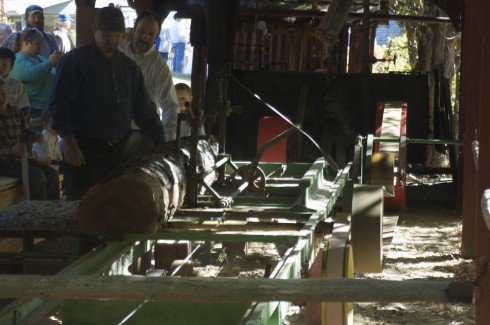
(125, 205)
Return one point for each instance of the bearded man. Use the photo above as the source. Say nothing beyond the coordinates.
(157, 75)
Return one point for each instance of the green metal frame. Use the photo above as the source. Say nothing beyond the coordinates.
(313, 193)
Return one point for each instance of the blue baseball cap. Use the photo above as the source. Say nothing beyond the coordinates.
(64, 17)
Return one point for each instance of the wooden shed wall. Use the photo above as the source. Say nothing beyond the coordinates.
(475, 105)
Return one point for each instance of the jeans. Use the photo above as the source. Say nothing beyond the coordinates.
(44, 182)
(179, 50)
(164, 55)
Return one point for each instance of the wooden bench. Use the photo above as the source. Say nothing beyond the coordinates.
(10, 191)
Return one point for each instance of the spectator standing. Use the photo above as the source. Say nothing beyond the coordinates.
(165, 42)
(5, 30)
(97, 92)
(16, 90)
(178, 39)
(34, 18)
(34, 70)
(14, 137)
(157, 75)
(62, 33)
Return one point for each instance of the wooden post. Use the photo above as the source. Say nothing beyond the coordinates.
(85, 18)
(232, 289)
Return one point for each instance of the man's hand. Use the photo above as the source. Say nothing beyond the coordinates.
(73, 155)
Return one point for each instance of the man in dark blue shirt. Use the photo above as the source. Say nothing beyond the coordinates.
(96, 94)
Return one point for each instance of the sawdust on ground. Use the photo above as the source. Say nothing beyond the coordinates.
(426, 246)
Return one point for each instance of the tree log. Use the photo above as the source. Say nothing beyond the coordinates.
(232, 289)
(142, 194)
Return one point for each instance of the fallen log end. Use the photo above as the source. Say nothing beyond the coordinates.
(124, 205)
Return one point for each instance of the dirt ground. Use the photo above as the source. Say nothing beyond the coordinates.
(425, 246)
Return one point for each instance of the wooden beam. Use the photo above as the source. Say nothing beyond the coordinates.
(232, 289)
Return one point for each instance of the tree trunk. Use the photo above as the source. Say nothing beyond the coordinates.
(429, 46)
(3, 13)
(142, 194)
(442, 53)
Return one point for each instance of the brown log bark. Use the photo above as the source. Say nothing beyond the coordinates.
(142, 194)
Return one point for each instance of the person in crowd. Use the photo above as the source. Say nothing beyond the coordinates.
(62, 33)
(47, 148)
(157, 75)
(15, 136)
(96, 94)
(165, 42)
(34, 70)
(16, 90)
(34, 18)
(184, 95)
(5, 30)
(178, 39)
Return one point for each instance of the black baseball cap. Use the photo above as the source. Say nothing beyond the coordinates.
(110, 19)
(33, 8)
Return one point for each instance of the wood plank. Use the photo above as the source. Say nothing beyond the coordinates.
(232, 289)
(6, 182)
(15, 245)
(10, 196)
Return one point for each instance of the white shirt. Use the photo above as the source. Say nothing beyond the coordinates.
(160, 86)
(176, 32)
(66, 43)
(186, 129)
(50, 148)
(17, 93)
(165, 42)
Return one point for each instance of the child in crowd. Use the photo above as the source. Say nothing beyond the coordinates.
(184, 95)
(47, 148)
(16, 91)
(14, 137)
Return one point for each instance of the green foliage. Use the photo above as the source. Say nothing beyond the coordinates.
(396, 55)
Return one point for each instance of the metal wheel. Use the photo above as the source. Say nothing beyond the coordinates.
(255, 178)
(383, 171)
(337, 263)
(367, 228)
